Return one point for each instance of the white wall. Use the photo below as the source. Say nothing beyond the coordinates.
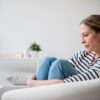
(54, 24)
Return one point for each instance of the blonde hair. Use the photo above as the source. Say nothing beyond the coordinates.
(93, 21)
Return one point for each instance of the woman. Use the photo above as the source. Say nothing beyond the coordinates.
(84, 65)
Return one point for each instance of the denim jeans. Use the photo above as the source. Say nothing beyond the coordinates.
(53, 68)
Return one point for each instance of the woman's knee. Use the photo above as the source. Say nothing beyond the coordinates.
(57, 63)
(49, 59)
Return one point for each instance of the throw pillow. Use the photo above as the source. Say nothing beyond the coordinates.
(18, 78)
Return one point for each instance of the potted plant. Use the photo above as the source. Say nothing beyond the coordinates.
(34, 50)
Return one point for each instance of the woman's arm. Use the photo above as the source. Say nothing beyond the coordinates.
(33, 83)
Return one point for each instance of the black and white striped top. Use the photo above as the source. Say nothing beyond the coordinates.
(83, 63)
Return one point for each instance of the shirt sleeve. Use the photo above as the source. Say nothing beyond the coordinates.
(92, 73)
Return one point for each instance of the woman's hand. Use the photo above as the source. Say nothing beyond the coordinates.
(30, 81)
(32, 77)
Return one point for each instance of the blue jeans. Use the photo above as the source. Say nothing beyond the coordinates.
(52, 68)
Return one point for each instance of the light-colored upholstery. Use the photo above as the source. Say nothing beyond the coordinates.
(13, 65)
(14, 71)
(87, 90)
(1, 91)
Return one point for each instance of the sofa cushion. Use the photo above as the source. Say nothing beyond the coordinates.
(18, 78)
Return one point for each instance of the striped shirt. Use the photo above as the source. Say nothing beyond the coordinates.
(83, 63)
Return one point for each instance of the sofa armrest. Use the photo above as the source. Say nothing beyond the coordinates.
(86, 90)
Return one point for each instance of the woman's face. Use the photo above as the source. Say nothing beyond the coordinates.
(90, 39)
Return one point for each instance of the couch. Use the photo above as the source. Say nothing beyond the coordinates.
(86, 90)
(14, 72)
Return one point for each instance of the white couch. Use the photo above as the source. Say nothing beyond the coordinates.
(87, 90)
(14, 72)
